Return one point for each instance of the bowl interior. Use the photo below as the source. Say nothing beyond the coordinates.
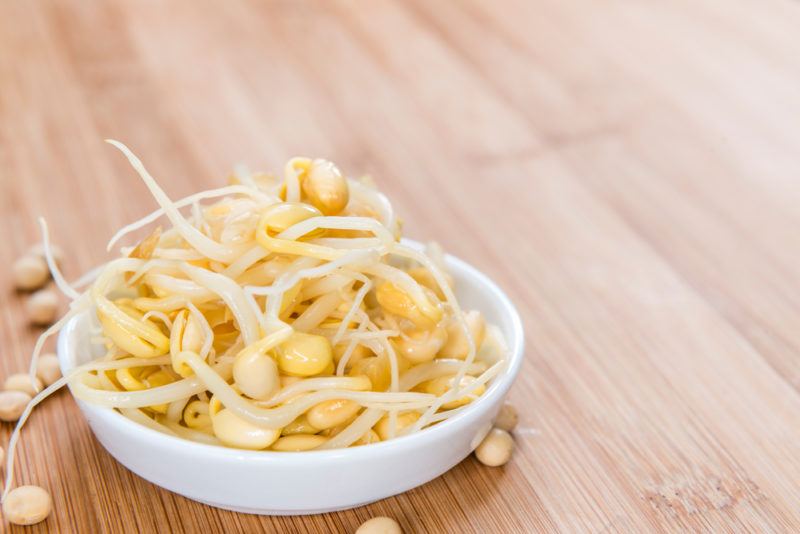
(473, 289)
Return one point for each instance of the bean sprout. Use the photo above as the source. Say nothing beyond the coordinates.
(294, 302)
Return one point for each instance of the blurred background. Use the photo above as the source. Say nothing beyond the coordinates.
(627, 171)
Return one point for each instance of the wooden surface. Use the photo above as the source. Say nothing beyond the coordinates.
(628, 171)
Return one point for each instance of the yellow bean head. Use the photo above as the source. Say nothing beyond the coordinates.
(279, 217)
(331, 413)
(304, 354)
(236, 432)
(439, 386)
(396, 301)
(125, 326)
(298, 442)
(359, 353)
(376, 368)
(154, 380)
(326, 188)
(186, 334)
(288, 380)
(424, 277)
(214, 406)
(457, 345)
(225, 336)
(130, 378)
(299, 426)
(196, 415)
(404, 420)
(256, 374)
(421, 346)
(369, 437)
(290, 296)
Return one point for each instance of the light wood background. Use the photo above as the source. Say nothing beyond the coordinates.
(628, 171)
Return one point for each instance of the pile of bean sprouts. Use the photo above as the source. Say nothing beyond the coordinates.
(313, 259)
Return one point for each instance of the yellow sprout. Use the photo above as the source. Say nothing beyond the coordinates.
(141, 378)
(127, 328)
(186, 334)
(131, 378)
(280, 217)
(154, 380)
(144, 250)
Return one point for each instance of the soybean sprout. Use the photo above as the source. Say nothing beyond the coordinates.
(283, 315)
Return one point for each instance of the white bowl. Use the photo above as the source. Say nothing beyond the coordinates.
(280, 483)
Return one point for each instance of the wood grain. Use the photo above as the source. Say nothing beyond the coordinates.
(628, 171)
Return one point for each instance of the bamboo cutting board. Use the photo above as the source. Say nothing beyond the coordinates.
(628, 171)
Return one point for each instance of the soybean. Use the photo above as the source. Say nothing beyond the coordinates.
(507, 418)
(27, 505)
(305, 354)
(326, 188)
(22, 382)
(457, 345)
(30, 272)
(43, 307)
(331, 413)
(298, 442)
(236, 432)
(37, 250)
(380, 525)
(48, 369)
(443, 384)
(256, 374)
(12, 404)
(495, 449)
(404, 420)
(422, 345)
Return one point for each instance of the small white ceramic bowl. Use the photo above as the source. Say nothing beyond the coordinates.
(279, 483)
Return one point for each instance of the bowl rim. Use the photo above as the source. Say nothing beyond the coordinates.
(496, 391)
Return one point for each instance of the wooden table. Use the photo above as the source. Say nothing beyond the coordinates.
(628, 171)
